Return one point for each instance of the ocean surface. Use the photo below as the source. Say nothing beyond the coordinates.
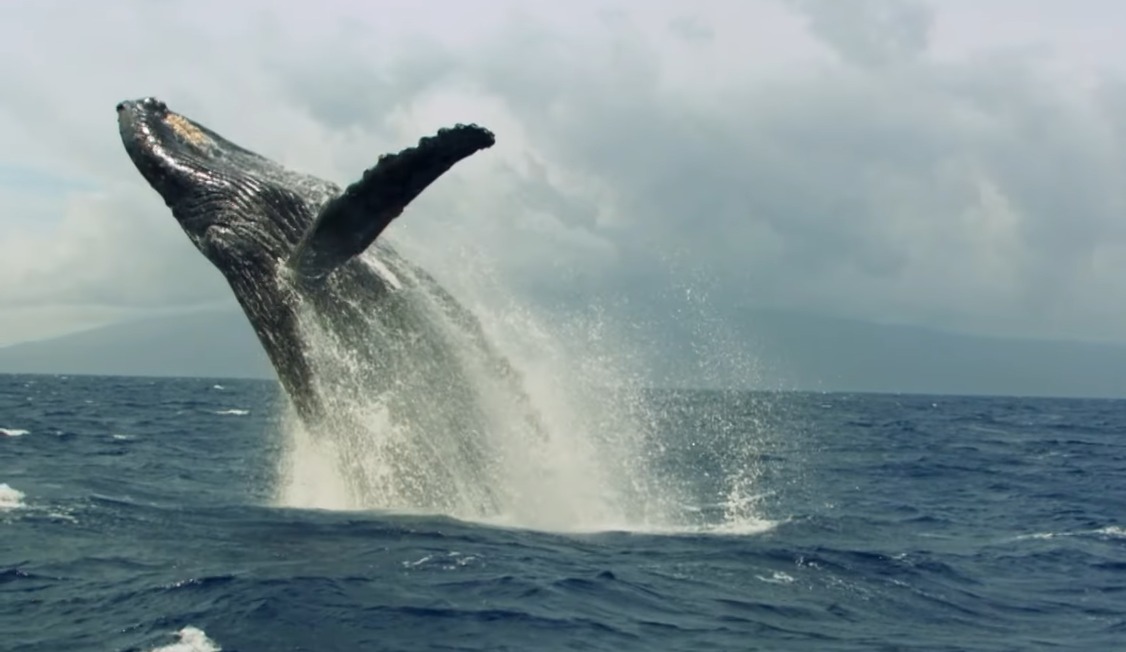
(146, 514)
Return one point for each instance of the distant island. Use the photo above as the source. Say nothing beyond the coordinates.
(209, 344)
(793, 351)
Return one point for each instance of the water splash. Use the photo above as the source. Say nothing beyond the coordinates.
(192, 639)
(10, 498)
(460, 439)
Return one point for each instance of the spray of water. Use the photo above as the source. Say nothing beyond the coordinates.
(569, 442)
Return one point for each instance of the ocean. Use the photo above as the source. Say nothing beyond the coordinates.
(163, 514)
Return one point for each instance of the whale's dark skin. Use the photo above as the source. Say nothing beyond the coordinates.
(286, 240)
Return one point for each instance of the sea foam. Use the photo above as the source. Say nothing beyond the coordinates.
(192, 639)
(10, 498)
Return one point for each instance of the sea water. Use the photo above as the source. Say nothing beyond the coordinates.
(163, 514)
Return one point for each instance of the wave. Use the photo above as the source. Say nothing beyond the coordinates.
(1110, 531)
(13, 432)
(10, 498)
(192, 639)
(233, 412)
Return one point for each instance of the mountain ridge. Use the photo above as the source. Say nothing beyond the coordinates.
(791, 351)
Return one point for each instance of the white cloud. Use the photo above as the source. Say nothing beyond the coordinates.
(874, 159)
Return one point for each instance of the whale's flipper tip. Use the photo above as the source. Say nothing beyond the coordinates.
(349, 223)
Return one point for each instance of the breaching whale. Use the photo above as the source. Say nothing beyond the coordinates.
(302, 255)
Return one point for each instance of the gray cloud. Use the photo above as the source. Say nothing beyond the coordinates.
(972, 195)
(693, 29)
(111, 254)
(979, 194)
(871, 32)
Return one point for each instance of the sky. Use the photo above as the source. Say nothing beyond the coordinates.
(953, 164)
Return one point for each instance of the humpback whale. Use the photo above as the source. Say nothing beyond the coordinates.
(305, 263)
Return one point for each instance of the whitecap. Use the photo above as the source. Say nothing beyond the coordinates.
(233, 412)
(777, 578)
(450, 561)
(10, 498)
(12, 432)
(418, 562)
(1112, 531)
(218, 387)
(192, 639)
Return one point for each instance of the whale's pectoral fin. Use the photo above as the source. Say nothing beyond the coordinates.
(350, 222)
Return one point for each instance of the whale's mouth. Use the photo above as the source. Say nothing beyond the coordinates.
(194, 170)
(179, 156)
(172, 153)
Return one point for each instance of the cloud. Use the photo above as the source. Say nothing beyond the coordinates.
(833, 163)
(110, 255)
(871, 32)
(973, 194)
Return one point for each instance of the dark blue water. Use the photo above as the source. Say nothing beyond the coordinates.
(135, 509)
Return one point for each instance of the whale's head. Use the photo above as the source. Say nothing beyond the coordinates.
(235, 205)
